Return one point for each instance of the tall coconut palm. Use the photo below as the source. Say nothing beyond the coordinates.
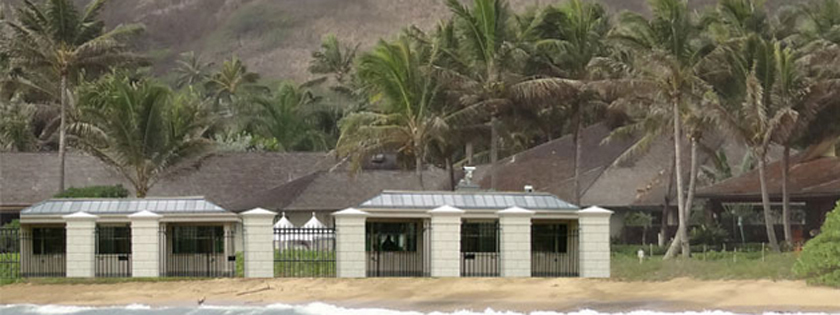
(60, 41)
(669, 50)
(487, 62)
(404, 98)
(230, 83)
(333, 58)
(191, 70)
(140, 128)
(572, 35)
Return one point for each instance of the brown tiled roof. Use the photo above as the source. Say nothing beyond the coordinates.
(640, 181)
(338, 189)
(27, 178)
(818, 177)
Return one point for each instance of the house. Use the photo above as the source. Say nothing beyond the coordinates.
(814, 185)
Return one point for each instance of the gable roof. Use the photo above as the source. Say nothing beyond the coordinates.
(28, 178)
(818, 177)
(638, 182)
(338, 189)
(123, 206)
(466, 200)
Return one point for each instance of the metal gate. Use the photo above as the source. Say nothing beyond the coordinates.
(396, 249)
(554, 250)
(9, 253)
(304, 252)
(197, 251)
(43, 252)
(480, 249)
(113, 251)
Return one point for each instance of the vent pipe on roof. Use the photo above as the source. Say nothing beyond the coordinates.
(529, 188)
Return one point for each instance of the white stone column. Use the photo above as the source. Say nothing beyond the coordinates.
(145, 244)
(446, 241)
(258, 225)
(594, 225)
(81, 244)
(350, 243)
(515, 238)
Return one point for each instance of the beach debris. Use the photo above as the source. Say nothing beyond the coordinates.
(267, 287)
(201, 300)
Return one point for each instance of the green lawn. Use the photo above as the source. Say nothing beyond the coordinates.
(304, 263)
(715, 266)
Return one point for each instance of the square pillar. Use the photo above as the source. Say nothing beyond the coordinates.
(145, 244)
(594, 225)
(446, 242)
(81, 244)
(258, 237)
(350, 243)
(515, 238)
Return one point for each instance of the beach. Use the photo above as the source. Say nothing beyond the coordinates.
(446, 295)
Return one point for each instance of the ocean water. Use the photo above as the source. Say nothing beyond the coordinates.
(308, 309)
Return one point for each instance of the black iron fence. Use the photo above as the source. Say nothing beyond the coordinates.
(480, 249)
(9, 253)
(43, 252)
(396, 249)
(304, 252)
(113, 252)
(197, 251)
(555, 251)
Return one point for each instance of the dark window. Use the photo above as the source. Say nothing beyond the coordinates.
(479, 237)
(392, 236)
(551, 238)
(197, 239)
(113, 240)
(48, 241)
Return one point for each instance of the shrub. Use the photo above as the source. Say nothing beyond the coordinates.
(116, 191)
(709, 234)
(820, 259)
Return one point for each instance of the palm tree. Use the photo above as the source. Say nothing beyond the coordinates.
(333, 58)
(289, 116)
(139, 127)
(404, 119)
(191, 70)
(15, 131)
(58, 40)
(669, 50)
(571, 37)
(230, 82)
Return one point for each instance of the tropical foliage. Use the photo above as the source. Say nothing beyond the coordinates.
(820, 260)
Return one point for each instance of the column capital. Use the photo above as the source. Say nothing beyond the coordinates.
(144, 215)
(446, 211)
(351, 213)
(595, 211)
(515, 212)
(80, 216)
(258, 213)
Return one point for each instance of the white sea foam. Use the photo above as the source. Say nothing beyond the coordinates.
(314, 309)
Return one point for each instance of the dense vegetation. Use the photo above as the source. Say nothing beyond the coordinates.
(116, 191)
(486, 78)
(820, 260)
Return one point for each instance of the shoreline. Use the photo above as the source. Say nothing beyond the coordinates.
(445, 295)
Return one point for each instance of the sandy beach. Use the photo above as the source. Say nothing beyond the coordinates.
(447, 294)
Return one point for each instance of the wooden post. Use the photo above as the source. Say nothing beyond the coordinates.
(762, 251)
(704, 252)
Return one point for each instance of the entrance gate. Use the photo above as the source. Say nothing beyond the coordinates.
(197, 251)
(396, 249)
(554, 250)
(480, 249)
(113, 252)
(304, 252)
(9, 253)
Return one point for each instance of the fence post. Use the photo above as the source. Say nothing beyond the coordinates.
(446, 241)
(81, 244)
(258, 225)
(350, 243)
(515, 239)
(594, 242)
(145, 244)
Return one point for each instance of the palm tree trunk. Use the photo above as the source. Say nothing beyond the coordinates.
(62, 145)
(494, 153)
(692, 185)
(765, 202)
(786, 196)
(451, 169)
(681, 230)
(666, 206)
(470, 152)
(418, 167)
(577, 158)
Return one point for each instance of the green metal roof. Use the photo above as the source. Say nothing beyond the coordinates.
(123, 206)
(466, 200)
